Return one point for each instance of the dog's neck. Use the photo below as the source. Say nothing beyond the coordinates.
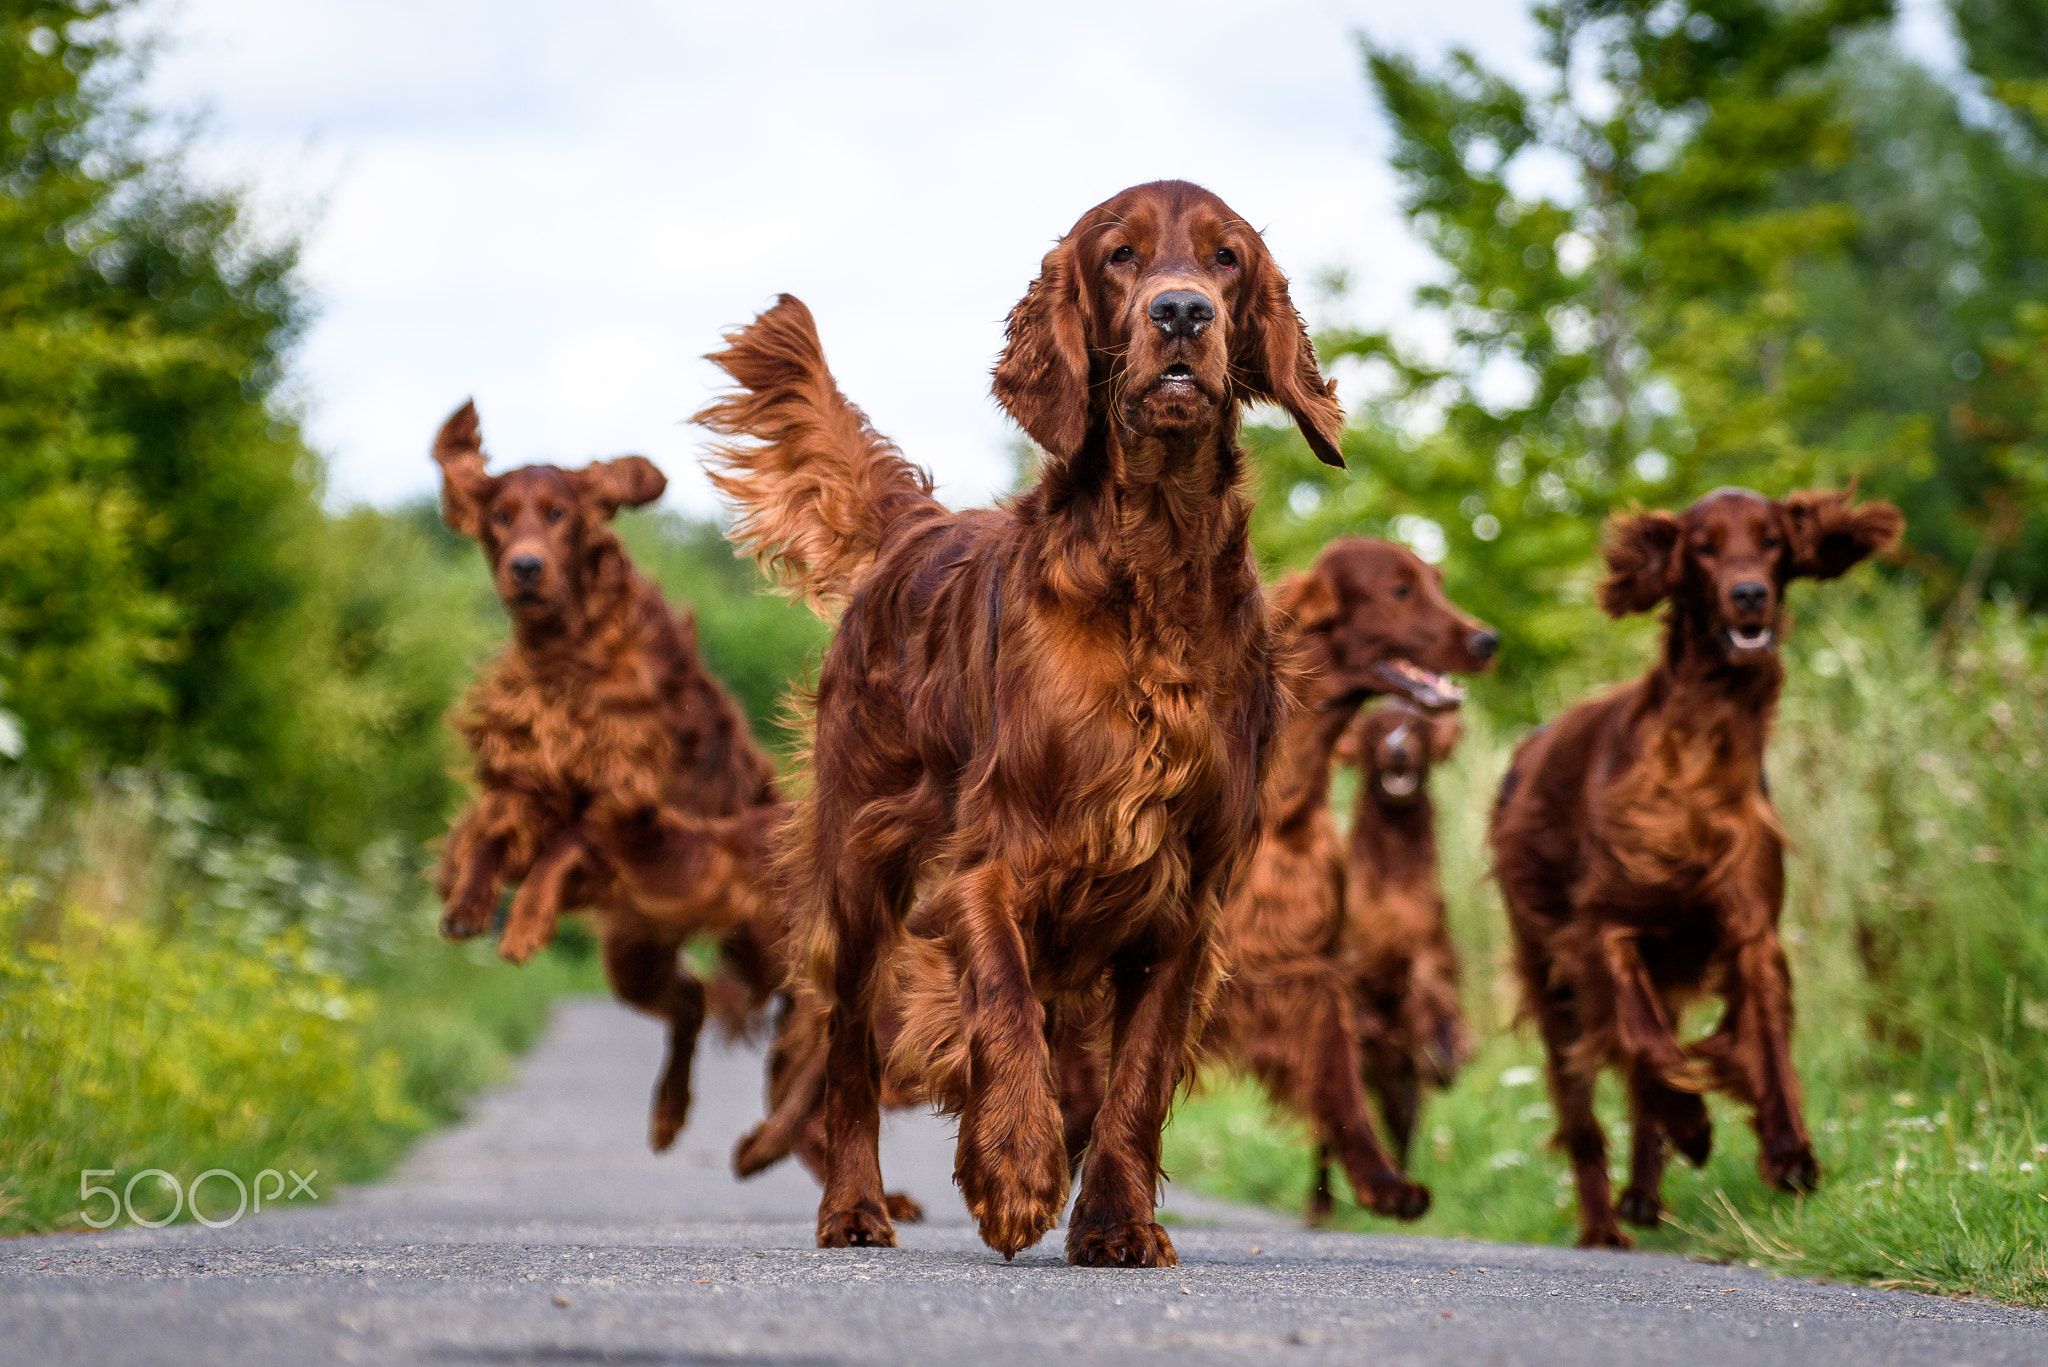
(1393, 844)
(1300, 780)
(1151, 517)
(1699, 696)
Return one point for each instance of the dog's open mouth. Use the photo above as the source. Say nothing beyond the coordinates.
(1745, 639)
(1432, 692)
(1179, 376)
(1400, 784)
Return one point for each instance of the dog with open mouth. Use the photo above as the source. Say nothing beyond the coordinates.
(1039, 732)
(1641, 859)
(1369, 619)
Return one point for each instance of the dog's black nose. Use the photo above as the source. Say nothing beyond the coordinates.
(1749, 595)
(525, 568)
(1182, 313)
(1483, 644)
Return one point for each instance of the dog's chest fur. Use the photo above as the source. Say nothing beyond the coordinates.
(599, 721)
(1687, 814)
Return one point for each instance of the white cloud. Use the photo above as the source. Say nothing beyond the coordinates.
(557, 209)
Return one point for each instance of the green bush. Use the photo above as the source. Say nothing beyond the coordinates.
(172, 997)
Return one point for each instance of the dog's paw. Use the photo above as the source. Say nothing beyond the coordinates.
(671, 1109)
(520, 943)
(1643, 1209)
(904, 1208)
(1607, 1235)
(759, 1148)
(1318, 1209)
(1134, 1243)
(465, 922)
(1397, 1197)
(865, 1225)
(1012, 1171)
(1790, 1166)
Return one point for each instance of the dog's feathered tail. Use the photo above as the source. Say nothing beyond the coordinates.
(815, 487)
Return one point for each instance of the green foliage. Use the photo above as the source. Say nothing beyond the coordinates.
(1717, 243)
(185, 1000)
(1908, 773)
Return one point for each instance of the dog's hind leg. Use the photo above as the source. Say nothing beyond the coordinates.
(1321, 1204)
(1660, 1118)
(644, 971)
(854, 1210)
(1578, 1129)
(1335, 1092)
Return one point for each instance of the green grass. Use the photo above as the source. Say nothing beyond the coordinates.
(1912, 777)
(165, 1004)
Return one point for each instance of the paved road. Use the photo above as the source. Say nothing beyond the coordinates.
(542, 1231)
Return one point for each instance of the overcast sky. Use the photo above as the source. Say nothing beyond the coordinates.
(557, 208)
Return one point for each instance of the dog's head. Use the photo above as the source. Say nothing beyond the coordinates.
(539, 526)
(1724, 563)
(1374, 619)
(1396, 744)
(1161, 312)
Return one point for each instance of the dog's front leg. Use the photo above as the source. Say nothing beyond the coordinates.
(1758, 1061)
(542, 894)
(1011, 1162)
(1113, 1224)
(1640, 1018)
(471, 867)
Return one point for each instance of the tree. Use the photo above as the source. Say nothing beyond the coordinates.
(1616, 316)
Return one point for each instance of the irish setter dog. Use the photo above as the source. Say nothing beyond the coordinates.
(614, 773)
(1369, 618)
(1042, 724)
(1396, 947)
(1641, 859)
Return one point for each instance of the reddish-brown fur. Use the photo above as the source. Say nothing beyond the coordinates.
(603, 753)
(1642, 861)
(1046, 721)
(1287, 1013)
(1396, 947)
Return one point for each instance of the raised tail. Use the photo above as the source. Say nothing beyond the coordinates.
(815, 487)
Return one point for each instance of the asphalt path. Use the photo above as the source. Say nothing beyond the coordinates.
(542, 1231)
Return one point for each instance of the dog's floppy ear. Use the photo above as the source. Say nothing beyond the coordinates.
(1042, 376)
(622, 482)
(1276, 362)
(1306, 600)
(1642, 562)
(459, 451)
(1830, 534)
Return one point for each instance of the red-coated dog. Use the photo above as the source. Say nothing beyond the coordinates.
(1396, 946)
(1043, 724)
(1642, 861)
(1369, 619)
(601, 746)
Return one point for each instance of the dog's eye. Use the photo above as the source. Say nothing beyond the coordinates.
(1770, 542)
(1122, 254)
(1225, 257)
(1402, 590)
(501, 518)
(557, 513)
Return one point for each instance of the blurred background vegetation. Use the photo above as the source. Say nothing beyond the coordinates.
(1720, 241)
